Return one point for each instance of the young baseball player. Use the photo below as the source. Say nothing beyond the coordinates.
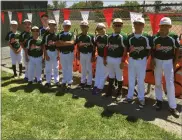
(43, 31)
(85, 52)
(65, 43)
(138, 45)
(44, 28)
(34, 54)
(114, 57)
(26, 34)
(51, 54)
(15, 49)
(165, 53)
(101, 41)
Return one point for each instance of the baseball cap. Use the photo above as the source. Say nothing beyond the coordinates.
(101, 25)
(165, 21)
(66, 22)
(35, 28)
(52, 22)
(139, 19)
(117, 20)
(27, 20)
(14, 22)
(84, 22)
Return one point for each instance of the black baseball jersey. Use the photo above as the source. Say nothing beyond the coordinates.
(115, 45)
(34, 47)
(101, 42)
(66, 37)
(13, 39)
(138, 47)
(49, 40)
(89, 40)
(163, 47)
(24, 36)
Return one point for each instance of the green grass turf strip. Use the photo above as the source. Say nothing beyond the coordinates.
(35, 115)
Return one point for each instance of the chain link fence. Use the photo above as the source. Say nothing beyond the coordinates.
(174, 11)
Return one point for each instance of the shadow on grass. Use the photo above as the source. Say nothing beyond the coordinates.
(110, 106)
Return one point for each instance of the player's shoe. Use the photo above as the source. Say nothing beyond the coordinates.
(98, 91)
(141, 104)
(39, 82)
(158, 105)
(47, 85)
(57, 84)
(26, 79)
(29, 83)
(174, 112)
(94, 91)
(69, 87)
(82, 85)
(127, 101)
(14, 76)
(35, 80)
(63, 86)
(88, 87)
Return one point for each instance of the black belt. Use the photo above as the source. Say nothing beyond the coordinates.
(85, 52)
(138, 58)
(66, 52)
(52, 50)
(36, 56)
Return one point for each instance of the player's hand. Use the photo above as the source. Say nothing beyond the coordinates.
(47, 58)
(93, 59)
(105, 62)
(152, 63)
(78, 57)
(58, 58)
(122, 65)
(174, 65)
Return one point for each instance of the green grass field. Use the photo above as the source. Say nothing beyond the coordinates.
(27, 113)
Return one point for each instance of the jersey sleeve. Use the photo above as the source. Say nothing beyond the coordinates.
(21, 37)
(177, 41)
(7, 37)
(43, 40)
(26, 44)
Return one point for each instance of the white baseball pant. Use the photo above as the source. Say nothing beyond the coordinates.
(114, 70)
(67, 67)
(15, 58)
(52, 65)
(34, 64)
(137, 70)
(25, 64)
(165, 66)
(86, 67)
(101, 73)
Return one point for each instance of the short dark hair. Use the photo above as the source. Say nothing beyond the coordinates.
(44, 15)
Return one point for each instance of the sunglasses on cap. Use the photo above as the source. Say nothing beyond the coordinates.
(99, 29)
(115, 25)
(35, 30)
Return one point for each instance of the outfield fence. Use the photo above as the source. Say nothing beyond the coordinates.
(174, 11)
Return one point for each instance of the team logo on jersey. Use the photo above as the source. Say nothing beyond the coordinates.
(100, 45)
(136, 49)
(87, 45)
(113, 46)
(51, 43)
(33, 46)
(165, 49)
